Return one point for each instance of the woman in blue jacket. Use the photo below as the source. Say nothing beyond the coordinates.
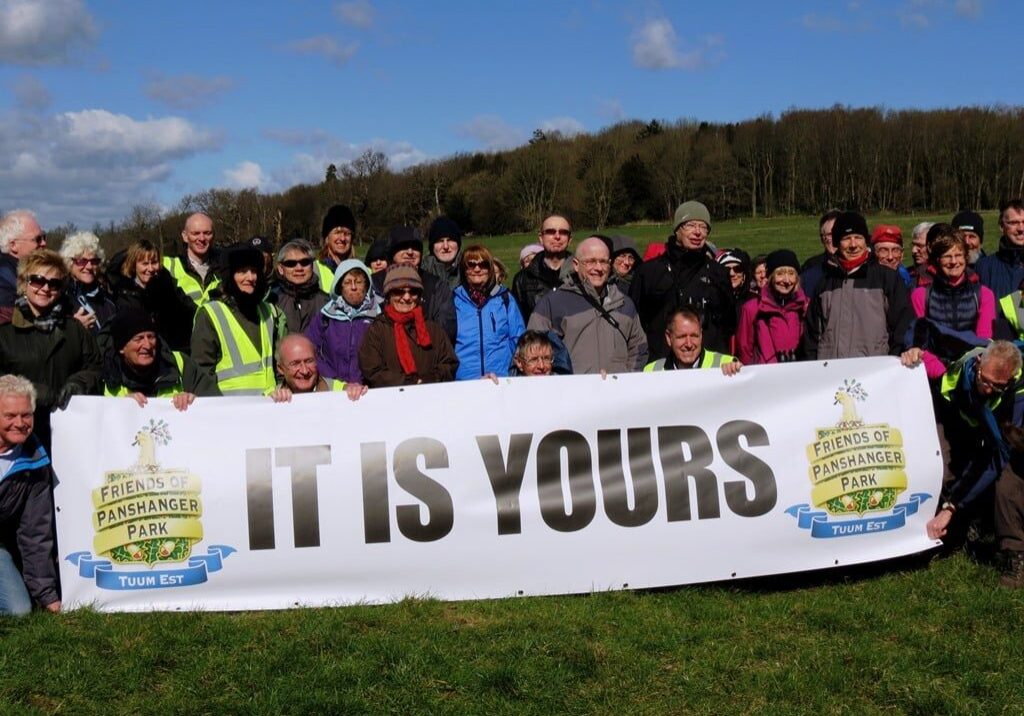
(489, 322)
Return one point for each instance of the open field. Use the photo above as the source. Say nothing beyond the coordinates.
(908, 637)
(755, 236)
(919, 635)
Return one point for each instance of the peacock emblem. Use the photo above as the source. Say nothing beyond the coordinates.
(847, 396)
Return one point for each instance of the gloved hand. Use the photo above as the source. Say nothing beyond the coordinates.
(64, 396)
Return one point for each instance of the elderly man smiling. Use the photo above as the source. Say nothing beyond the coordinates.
(597, 322)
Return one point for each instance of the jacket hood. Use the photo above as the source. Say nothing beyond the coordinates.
(343, 268)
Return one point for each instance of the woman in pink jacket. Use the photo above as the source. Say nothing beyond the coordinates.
(953, 309)
(771, 325)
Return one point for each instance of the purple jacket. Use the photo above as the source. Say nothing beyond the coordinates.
(337, 346)
(768, 331)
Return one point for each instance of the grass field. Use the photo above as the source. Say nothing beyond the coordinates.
(755, 236)
(915, 636)
(907, 637)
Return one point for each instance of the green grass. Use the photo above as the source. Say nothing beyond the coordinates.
(907, 638)
(755, 236)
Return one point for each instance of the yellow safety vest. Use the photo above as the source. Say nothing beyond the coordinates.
(326, 274)
(187, 282)
(1011, 307)
(163, 392)
(242, 370)
(709, 359)
(952, 376)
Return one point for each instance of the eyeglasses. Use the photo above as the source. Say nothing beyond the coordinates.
(556, 232)
(995, 387)
(405, 290)
(470, 264)
(539, 360)
(736, 270)
(82, 263)
(38, 239)
(292, 263)
(38, 282)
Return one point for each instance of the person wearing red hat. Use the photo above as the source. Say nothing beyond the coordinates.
(887, 245)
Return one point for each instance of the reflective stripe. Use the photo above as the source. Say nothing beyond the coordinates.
(187, 282)
(165, 393)
(656, 365)
(1014, 312)
(255, 376)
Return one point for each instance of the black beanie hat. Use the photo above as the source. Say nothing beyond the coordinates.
(237, 257)
(779, 258)
(401, 237)
(443, 227)
(378, 250)
(338, 215)
(129, 323)
(847, 223)
(969, 221)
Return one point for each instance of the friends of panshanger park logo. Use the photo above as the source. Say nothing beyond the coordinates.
(145, 516)
(857, 473)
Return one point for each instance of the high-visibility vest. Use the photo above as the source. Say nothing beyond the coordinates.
(952, 376)
(708, 359)
(187, 282)
(326, 274)
(163, 392)
(242, 370)
(1011, 307)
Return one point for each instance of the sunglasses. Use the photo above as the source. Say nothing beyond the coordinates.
(37, 281)
(471, 264)
(82, 263)
(292, 263)
(405, 290)
(556, 232)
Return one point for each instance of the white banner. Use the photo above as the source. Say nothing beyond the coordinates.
(470, 490)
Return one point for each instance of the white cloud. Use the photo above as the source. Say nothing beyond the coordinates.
(309, 166)
(246, 175)
(325, 46)
(30, 94)
(186, 91)
(91, 165)
(566, 126)
(968, 8)
(655, 47)
(43, 32)
(611, 108)
(357, 12)
(492, 132)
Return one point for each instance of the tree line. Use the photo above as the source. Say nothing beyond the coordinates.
(803, 162)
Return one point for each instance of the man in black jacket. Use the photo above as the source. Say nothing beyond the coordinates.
(548, 268)
(26, 505)
(685, 275)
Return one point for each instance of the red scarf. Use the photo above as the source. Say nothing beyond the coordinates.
(402, 338)
(854, 264)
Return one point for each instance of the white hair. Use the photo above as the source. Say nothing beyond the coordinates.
(1003, 353)
(922, 228)
(81, 243)
(12, 225)
(296, 245)
(18, 387)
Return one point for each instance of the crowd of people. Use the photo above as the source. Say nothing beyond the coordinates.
(311, 316)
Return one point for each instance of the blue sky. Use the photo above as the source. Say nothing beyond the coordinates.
(108, 104)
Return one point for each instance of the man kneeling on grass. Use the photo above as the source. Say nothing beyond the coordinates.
(685, 339)
(26, 505)
(296, 364)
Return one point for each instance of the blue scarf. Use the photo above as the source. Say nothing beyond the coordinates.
(340, 310)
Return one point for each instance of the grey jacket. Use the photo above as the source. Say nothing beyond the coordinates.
(595, 343)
